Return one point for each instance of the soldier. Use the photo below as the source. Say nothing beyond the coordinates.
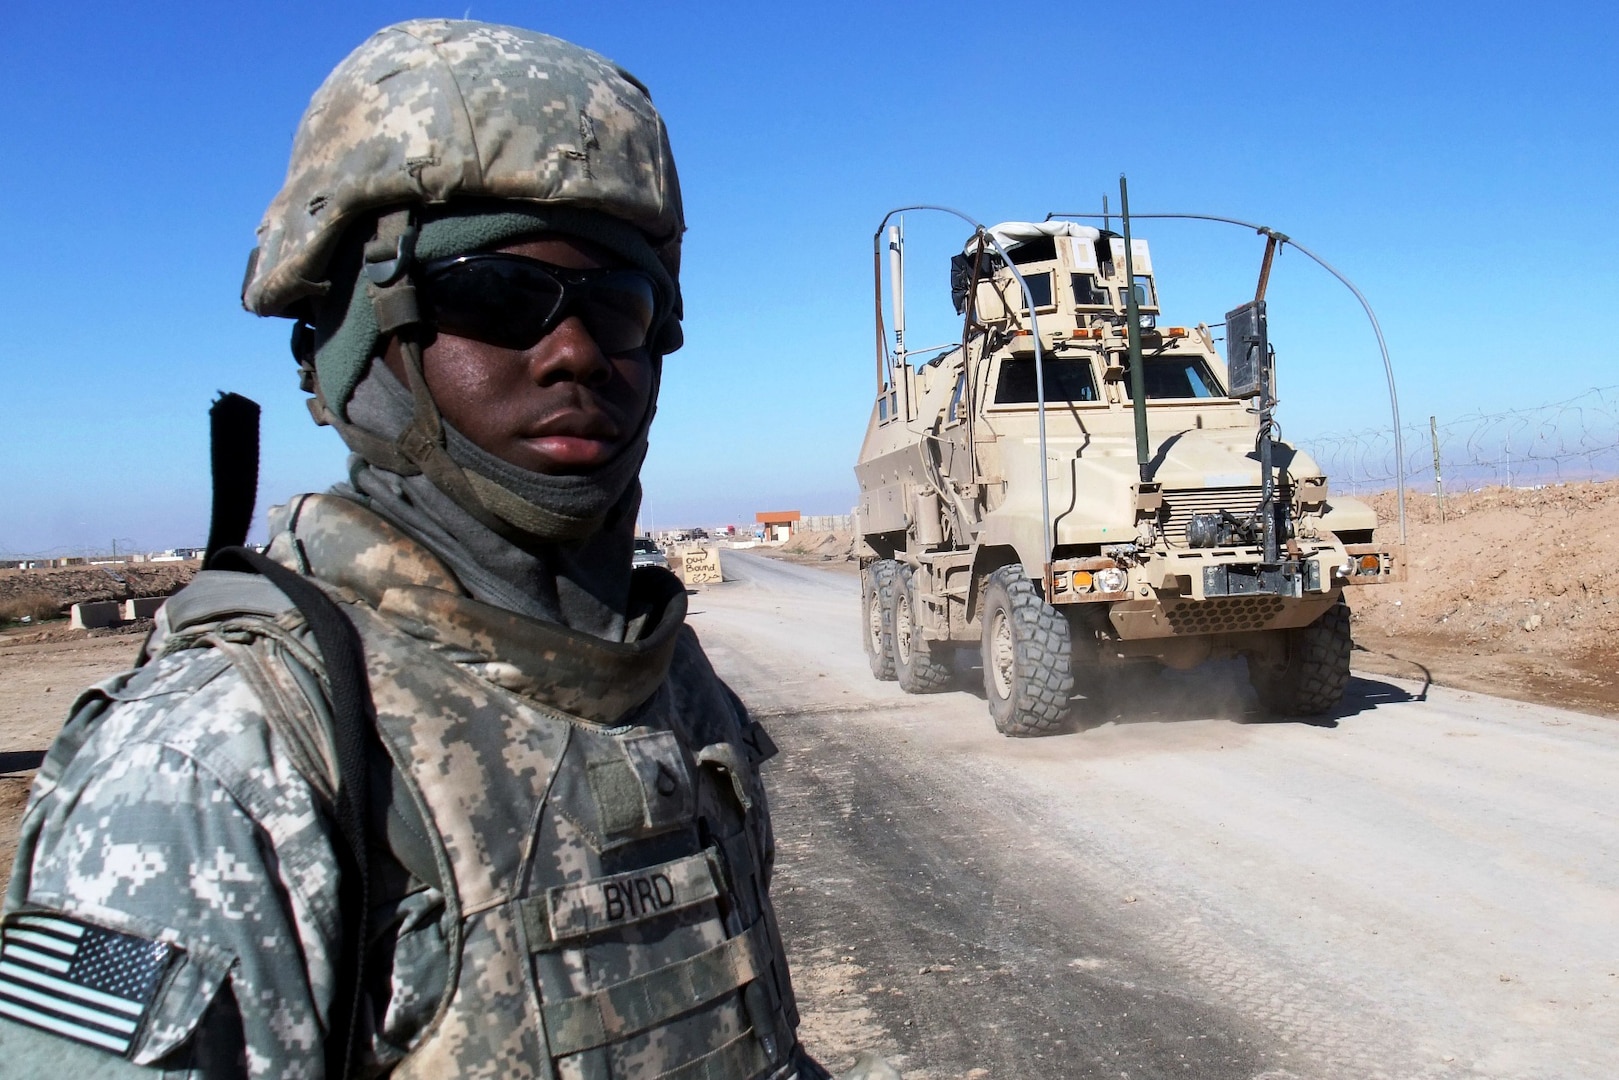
(563, 857)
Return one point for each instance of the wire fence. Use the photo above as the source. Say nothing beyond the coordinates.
(1565, 441)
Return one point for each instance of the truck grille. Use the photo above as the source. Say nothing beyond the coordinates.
(1181, 503)
(1224, 615)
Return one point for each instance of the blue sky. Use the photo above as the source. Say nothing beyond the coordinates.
(1456, 161)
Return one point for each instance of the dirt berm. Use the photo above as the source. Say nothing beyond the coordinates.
(46, 594)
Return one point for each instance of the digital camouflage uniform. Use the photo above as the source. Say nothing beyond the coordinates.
(594, 906)
(569, 848)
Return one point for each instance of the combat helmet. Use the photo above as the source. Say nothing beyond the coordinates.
(433, 110)
(436, 113)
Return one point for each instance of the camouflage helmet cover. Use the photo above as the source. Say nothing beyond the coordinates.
(434, 110)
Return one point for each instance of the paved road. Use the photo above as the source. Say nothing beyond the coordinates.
(1422, 885)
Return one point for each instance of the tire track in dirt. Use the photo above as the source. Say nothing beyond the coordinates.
(951, 949)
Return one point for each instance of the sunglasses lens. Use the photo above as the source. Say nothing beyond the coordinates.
(618, 310)
(512, 302)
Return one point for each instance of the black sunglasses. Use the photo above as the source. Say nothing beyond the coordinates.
(511, 301)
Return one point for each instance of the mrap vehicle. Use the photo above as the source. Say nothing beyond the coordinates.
(1078, 490)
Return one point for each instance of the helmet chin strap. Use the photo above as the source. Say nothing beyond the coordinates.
(421, 446)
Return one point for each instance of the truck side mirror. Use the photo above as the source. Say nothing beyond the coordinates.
(1246, 349)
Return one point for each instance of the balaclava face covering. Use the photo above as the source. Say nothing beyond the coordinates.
(568, 558)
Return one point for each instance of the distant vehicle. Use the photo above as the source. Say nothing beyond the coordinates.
(647, 553)
(699, 534)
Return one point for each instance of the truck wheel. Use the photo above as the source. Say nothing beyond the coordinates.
(1028, 657)
(876, 617)
(1315, 672)
(918, 667)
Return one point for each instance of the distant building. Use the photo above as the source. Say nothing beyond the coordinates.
(778, 525)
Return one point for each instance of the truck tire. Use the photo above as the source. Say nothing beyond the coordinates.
(876, 617)
(920, 666)
(1028, 657)
(1312, 678)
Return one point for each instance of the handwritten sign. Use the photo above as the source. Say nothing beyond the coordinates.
(701, 566)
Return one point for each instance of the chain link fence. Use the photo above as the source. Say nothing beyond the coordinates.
(1572, 440)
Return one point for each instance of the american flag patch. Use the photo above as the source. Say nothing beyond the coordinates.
(80, 982)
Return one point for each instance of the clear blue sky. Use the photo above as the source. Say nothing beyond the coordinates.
(1455, 160)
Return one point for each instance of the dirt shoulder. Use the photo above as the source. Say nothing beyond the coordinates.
(1515, 593)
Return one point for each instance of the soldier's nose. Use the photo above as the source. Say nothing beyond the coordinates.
(569, 354)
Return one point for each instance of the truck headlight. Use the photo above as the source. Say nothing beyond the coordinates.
(1111, 580)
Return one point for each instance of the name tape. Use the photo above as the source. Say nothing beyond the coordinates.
(589, 907)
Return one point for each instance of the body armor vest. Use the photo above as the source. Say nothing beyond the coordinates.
(574, 881)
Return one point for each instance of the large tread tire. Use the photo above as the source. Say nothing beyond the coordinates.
(876, 617)
(1028, 657)
(920, 666)
(1313, 677)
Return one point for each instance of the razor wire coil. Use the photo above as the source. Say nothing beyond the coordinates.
(1562, 442)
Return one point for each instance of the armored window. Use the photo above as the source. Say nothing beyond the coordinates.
(1067, 379)
(1172, 377)
(1145, 297)
(1039, 288)
(1086, 294)
(1038, 249)
(954, 413)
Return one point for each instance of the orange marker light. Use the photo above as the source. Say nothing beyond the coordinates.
(1369, 564)
(1082, 580)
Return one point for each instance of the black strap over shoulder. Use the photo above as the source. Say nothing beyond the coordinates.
(234, 423)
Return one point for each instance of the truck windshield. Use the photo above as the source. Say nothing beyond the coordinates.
(1175, 377)
(1067, 379)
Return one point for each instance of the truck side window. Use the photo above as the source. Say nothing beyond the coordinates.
(1067, 379)
(1086, 294)
(1039, 288)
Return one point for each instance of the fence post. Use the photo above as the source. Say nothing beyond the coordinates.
(1438, 480)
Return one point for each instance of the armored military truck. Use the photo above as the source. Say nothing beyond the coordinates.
(1078, 491)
